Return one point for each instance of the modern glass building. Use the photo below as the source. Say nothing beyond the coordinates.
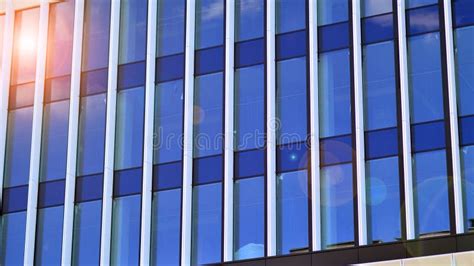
(243, 132)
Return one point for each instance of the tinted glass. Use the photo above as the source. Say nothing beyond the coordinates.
(467, 169)
(249, 19)
(209, 23)
(464, 38)
(12, 238)
(170, 28)
(86, 235)
(49, 235)
(333, 11)
(378, 28)
(290, 15)
(422, 20)
(132, 43)
(416, 3)
(2, 33)
(375, 7)
(95, 52)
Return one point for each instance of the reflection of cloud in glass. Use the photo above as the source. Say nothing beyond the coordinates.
(424, 22)
(213, 10)
(247, 6)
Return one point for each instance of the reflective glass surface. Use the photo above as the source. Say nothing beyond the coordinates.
(132, 42)
(128, 182)
(467, 170)
(209, 23)
(95, 52)
(86, 234)
(464, 38)
(167, 176)
(51, 193)
(422, 20)
(2, 34)
(336, 150)
(463, 12)
(169, 68)
(14, 199)
(170, 28)
(375, 7)
(49, 235)
(203, 64)
(249, 53)
(417, 3)
(291, 45)
(21, 96)
(89, 188)
(12, 238)
(249, 19)
(333, 11)
(290, 15)
(333, 37)
(376, 29)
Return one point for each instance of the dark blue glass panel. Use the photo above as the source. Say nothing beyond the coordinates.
(292, 157)
(169, 68)
(466, 130)
(375, 7)
(94, 82)
(290, 15)
(86, 239)
(291, 45)
(209, 60)
(249, 53)
(249, 163)
(467, 169)
(422, 20)
(15, 199)
(131, 75)
(333, 37)
(57, 89)
(95, 49)
(336, 150)
(208, 169)
(166, 176)
(376, 29)
(12, 238)
(381, 143)
(127, 182)
(418, 3)
(170, 27)
(88, 188)
(249, 19)
(428, 136)
(463, 12)
(49, 235)
(21, 96)
(51, 193)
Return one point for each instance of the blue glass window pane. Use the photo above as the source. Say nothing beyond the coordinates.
(291, 101)
(49, 236)
(128, 182)
(91, 142)
(381, 143)
(383, 200)
(95, 51)
(168, 122)
(132, 37)
(291, 45)
(379, 86)
(417, 3)
(428, 136)
(54, 141)
(464, 38)
(21, 96)
(375, 7)
(376, 29)
(249, 19)
(94, 82)
(336, 150)
(170, 68)
(56, 89)
(170, 29)
(166, 176)
(131, 75)
(292, 212)
(290, 15)
(209, 60)
(129, 128)
(466, 128)
(334, 93)
(333, 11)
(207, 224)
(249, 163)
(15, 199)
(2, 30)
(125, 246)
(333, 37)
(208, 169)
(337, 206)
(424, 69)
(51, 194)
(463, 11)
(249, 215)
(422, 20)
(88, 188)
(249, 116)
(166, 229)
(17, 155)
(467, 168)
(292, 157)
(86, 234)
(250, 53)
(209, 23)
(208, 115)
(431, 193)
(12, 238)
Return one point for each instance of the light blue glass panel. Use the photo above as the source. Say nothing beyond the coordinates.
(249, 218)
(95, 54)
(166, 234)
(249, 19)
(379, 86)
(430, 183)
(332, 11)
(334, 93)
(337, 213)
(383, 200)
(291, 101)
(168, 136)
(49, 235)
(467, 164)
(91, 139)
(86, 238)
(208, 115)
(126, 231)
(12, 238)
(207, 224)
(2, 30)
(129, 128)
(54, 141)
(417, 3)
(171, 27)
(17, 155)
(424, 70)
(292, 212)
(209, 23)
(249, 107)
(464, 38)
(375, 7)
(290, 15)
(132, 43)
